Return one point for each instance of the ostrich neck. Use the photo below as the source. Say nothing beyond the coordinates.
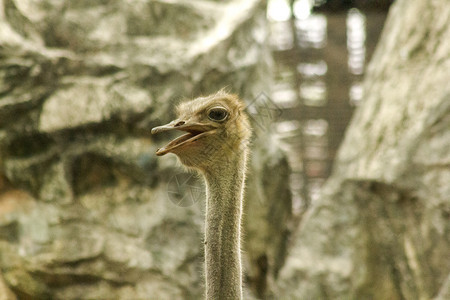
(224, 191)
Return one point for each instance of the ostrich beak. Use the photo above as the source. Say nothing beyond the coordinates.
(172, 125)
(194, 131)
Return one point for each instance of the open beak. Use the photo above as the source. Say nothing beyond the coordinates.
(194, 131)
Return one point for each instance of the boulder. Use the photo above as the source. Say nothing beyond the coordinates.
(381, 229)
(86, 210)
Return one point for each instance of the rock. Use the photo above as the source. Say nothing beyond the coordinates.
(381, 229)
(268, 216)
(5, 292)
(85, 210)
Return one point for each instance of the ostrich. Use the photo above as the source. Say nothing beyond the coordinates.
(216, 144)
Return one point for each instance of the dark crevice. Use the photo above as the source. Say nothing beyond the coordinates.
(91, 171)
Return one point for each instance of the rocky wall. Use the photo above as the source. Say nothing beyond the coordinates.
(85, 211)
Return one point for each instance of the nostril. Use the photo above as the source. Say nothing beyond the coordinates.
(179, 123)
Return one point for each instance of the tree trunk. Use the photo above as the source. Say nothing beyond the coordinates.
(381, 228)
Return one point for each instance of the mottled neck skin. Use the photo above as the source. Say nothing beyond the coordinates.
(224, 192)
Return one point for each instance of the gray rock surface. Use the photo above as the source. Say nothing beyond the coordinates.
(84, 203)
(381, 228)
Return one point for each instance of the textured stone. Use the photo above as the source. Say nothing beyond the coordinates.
(381, 229)
(85, 211)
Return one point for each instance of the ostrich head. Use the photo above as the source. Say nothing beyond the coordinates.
(216, 129)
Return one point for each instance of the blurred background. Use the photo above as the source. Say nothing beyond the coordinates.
(348, 187)
(320, 51)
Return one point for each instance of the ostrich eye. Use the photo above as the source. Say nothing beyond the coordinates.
(217, 114)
